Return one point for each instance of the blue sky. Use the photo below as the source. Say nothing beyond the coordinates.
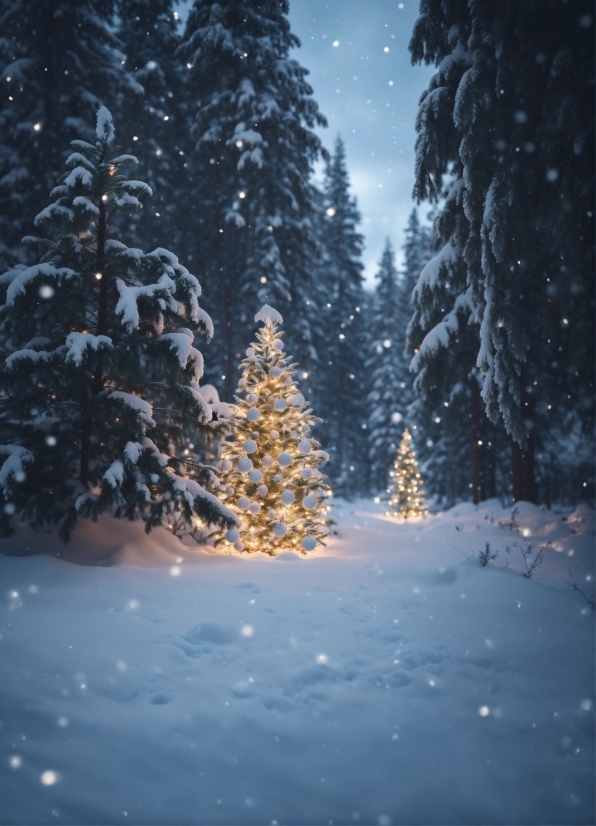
(357, 55)
(369, 93)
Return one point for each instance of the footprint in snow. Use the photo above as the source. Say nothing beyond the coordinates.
(162, 698)
(201, 639)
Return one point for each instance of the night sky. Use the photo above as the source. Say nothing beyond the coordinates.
(357, 55)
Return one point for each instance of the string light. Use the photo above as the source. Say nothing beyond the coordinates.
(406, 494)
(270, 473)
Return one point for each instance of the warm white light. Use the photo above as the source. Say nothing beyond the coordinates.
(242, 195)
(49, 778)
(36, 127)
(98, 276)
(330, 212)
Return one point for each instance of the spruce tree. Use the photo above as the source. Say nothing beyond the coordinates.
(406, 493)
(510, 114)
(102, 381)
(155, 125)
(385, 365)
(254, 152)
(270, 473)
(341, 385)
(58, 63)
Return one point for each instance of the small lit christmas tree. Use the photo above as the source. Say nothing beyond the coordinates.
(406, 494)
(270, 474)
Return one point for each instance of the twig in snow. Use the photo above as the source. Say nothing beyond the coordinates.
(536, 562)
(573, 584)
(512, 524)
(486, 555)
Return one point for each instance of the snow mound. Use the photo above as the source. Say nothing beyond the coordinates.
(268, 315)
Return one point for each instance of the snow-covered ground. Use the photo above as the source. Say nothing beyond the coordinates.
(389, 679)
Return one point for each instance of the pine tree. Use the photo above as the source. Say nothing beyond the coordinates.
(341, 387)
(270, 474)
(406, 494)
(254, 150)
(58, 62)
(102, 383)
(510, 114)
(385, 365)
(155, 125)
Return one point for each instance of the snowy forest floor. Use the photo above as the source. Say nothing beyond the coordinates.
(389, 679)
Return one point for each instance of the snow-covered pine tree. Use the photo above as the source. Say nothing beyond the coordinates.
(457, 443)
(102, 383)
(341, 384)
(58, 63)
(155, 125)
(254, 154)
(406, 492)
(270, 473)
(522, 217)
(386, 400)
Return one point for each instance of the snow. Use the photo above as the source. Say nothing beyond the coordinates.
(105, 127)
(19, 283)
(268, 315)
(79, 176)
(78, 343)
(140, 406)
(12, 466)
(384, 679)
(429, 276)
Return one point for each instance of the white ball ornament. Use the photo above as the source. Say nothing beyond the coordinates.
(309, 502)
(304, 447)
(250, 351)
(250, 446)
(232, 536)
(279, 529)
(252, 398)
(253, 415)
(239, 546)
(297, 400)
(274, 434)
(229, 490)
(271, 514)
(275, 372)
(243, 503)
(287, 497)
(306, 473)
(255, 476)
(244, 464)
(263, 490)
(284, 459)
(279, 405)
(242, 383)
(255, 508)
(309, 543)
(277, 478)
(226, 465)
(278, 344)
(267, 461)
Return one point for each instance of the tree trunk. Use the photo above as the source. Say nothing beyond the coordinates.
(478, 494)
(102, 328)
(522, 470)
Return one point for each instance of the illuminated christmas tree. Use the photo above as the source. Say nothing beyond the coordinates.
(270, 474)
(406, 494)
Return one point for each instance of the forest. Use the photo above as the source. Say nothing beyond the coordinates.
(297, 470)
(482, 343)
